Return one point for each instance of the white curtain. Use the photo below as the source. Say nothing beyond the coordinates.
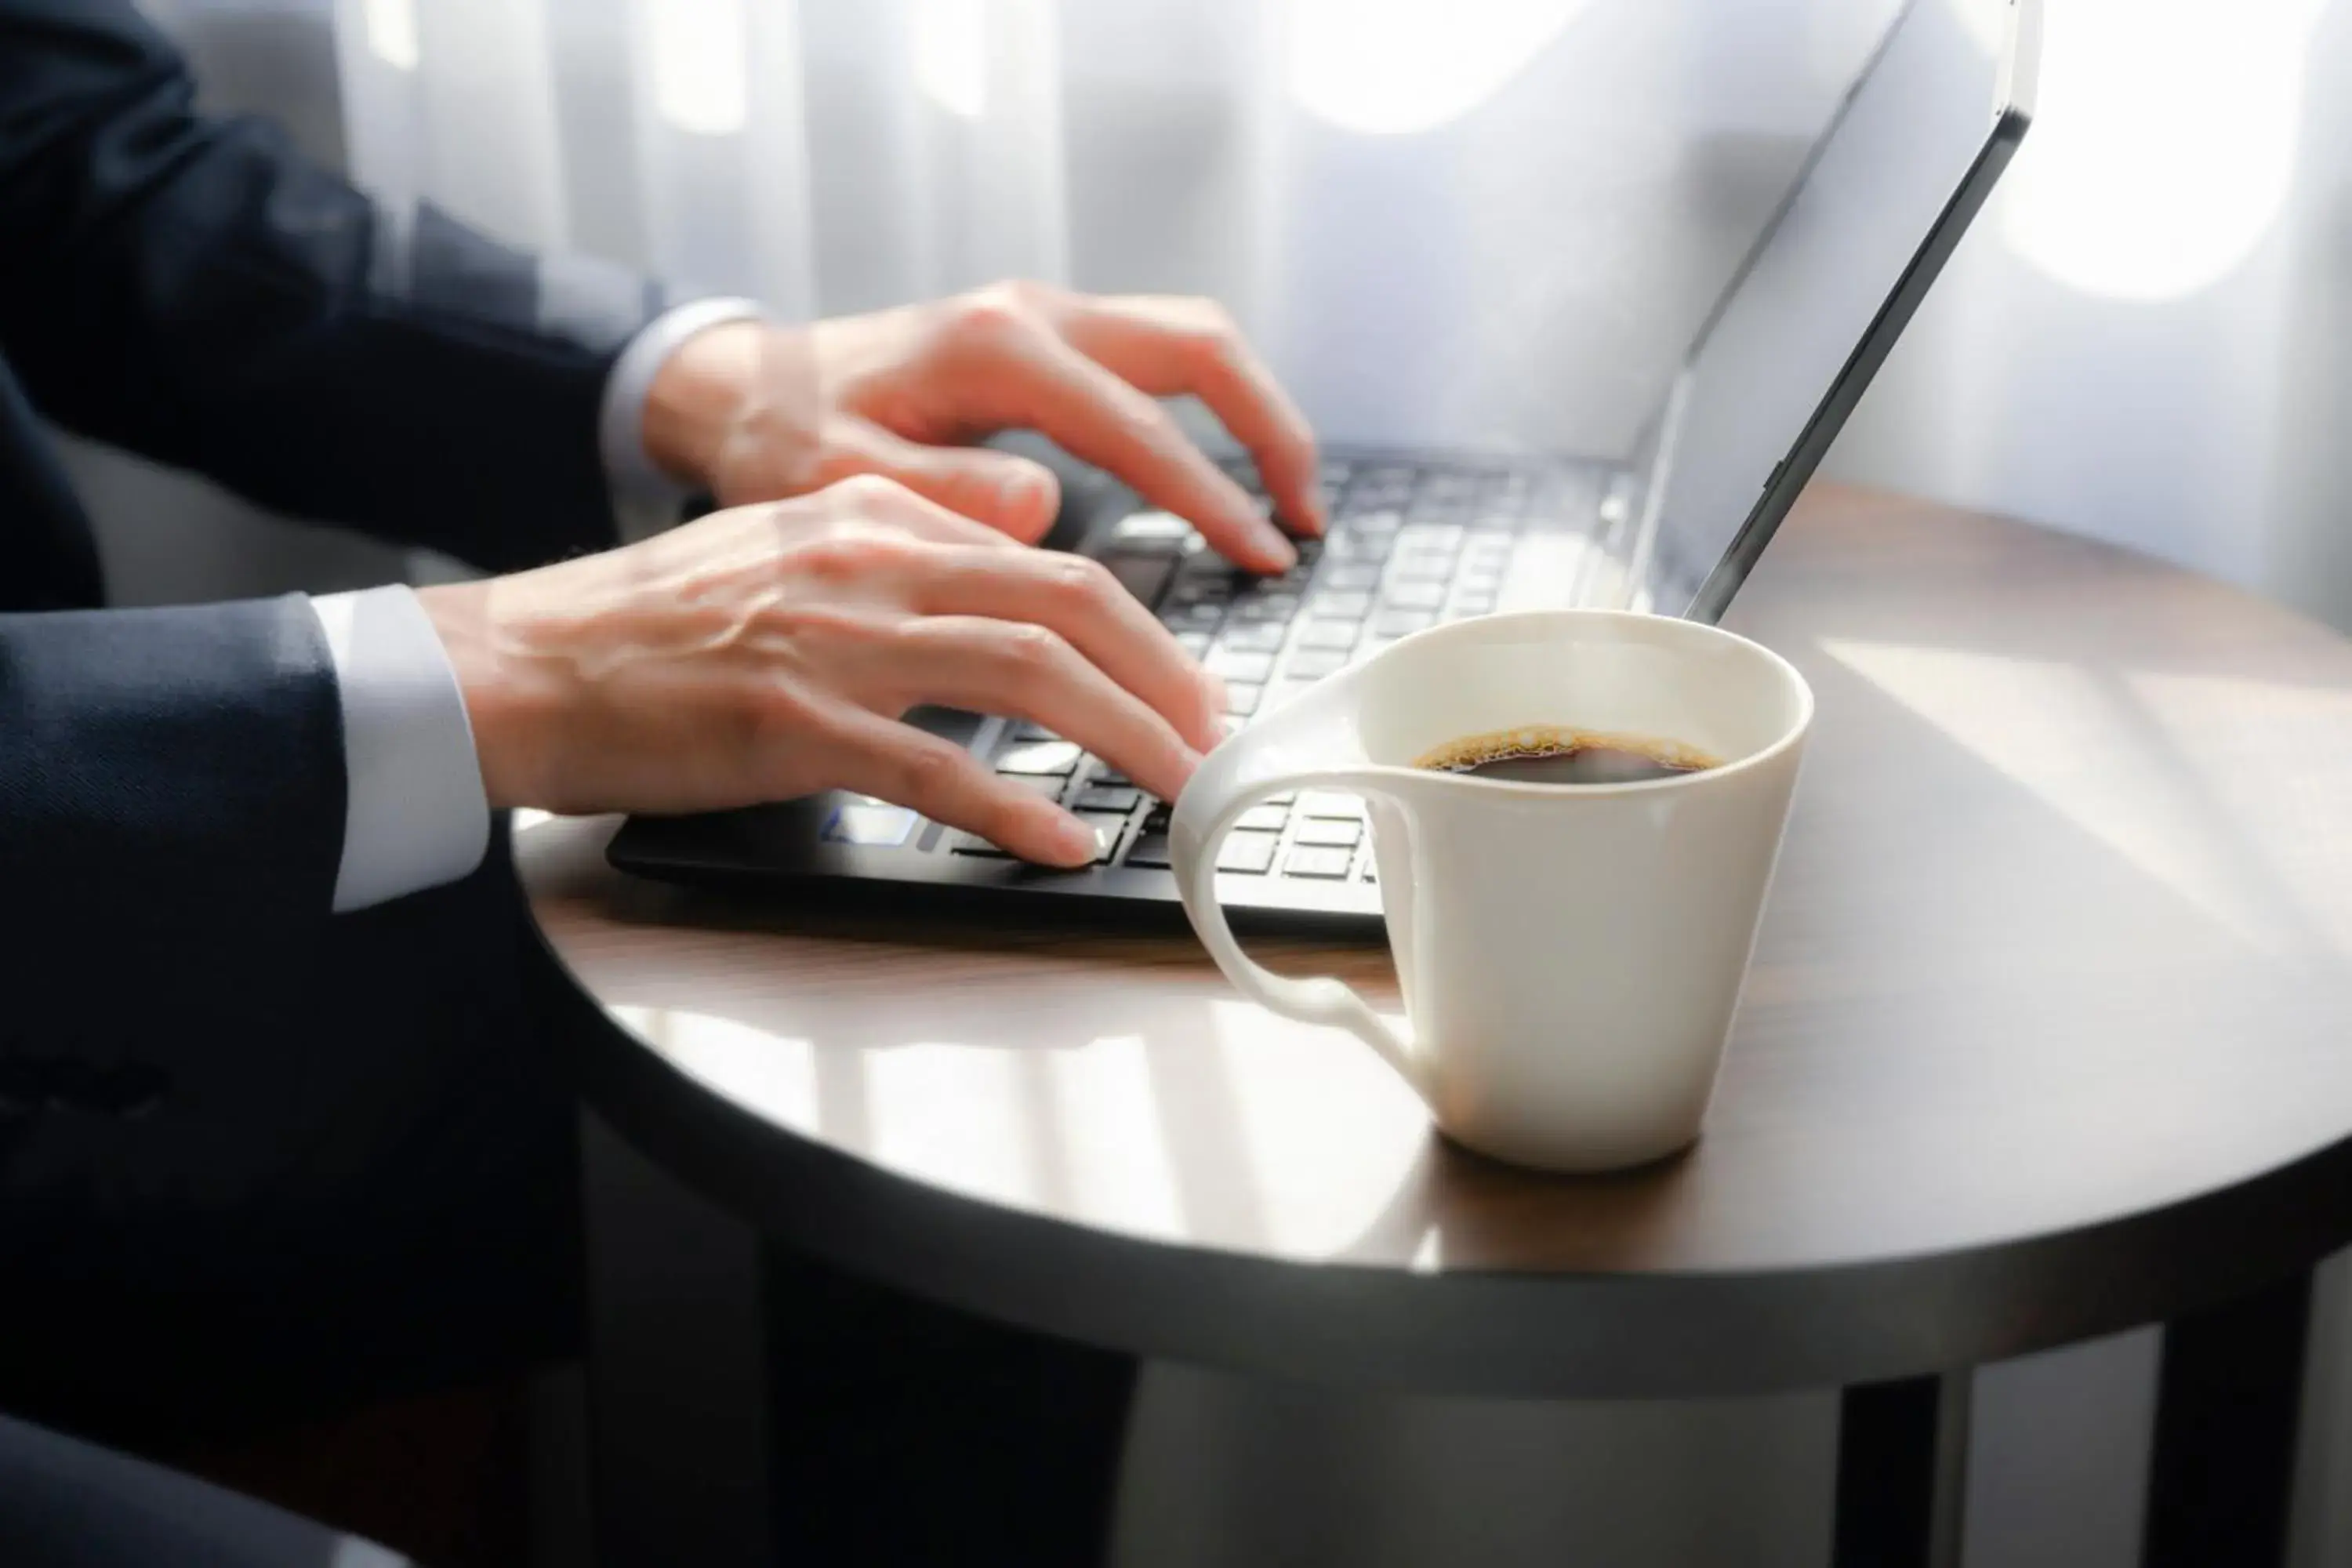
(2147, 337)
(1461, 218)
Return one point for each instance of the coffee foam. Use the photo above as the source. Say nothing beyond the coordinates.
(1552, 740)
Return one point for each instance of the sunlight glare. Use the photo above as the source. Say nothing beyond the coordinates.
(950, 38)
(699, 49)
(2165, 142)
(1392, 67)
(2072, 741)
(391, 32)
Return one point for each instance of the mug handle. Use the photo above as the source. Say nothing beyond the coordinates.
(1236, 776)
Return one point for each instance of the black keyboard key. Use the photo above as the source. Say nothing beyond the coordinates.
(1044, 757)
(1107, 827)
(1151, 531)
(974, 844)
(1327, 865)
(1102, 772)
(1265, 607)
(1253, 637)
(1152, 849)
(871, 824)
(1196, 593)
(1342, 606)
(1046, 786)
(1121, 798)
(1156, 820)
(1340, 635)
(1249, 854)
(1236, 665)
(1314, 663)
(1141, 575)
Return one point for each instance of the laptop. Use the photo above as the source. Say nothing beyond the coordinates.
(1420, 537)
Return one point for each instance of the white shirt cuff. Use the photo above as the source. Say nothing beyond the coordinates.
(415, 817)
(645, 500)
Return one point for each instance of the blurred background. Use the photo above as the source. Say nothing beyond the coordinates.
(1472, 221)
(1438, 218)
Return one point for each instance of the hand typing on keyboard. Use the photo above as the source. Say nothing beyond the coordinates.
(769, 652)
(756, 411)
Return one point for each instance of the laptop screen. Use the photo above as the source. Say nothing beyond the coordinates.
(1887, 191)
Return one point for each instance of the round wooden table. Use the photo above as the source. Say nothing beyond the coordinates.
(2048, 1033)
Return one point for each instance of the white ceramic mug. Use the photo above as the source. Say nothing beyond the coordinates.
(1570, 956)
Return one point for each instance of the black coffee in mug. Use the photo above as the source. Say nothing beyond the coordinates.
(1548, 755)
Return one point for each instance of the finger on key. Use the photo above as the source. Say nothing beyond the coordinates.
(1094, 415)
(1028, 671)
(1170, 346)
(1081, 600)
(895, 762)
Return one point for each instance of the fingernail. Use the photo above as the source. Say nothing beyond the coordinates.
(1022, 492)
(1281, 554)
(1073, 839)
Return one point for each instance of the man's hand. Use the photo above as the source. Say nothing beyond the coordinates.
(768, 652)
(756, 412)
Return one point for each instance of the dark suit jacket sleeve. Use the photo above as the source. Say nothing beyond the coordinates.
(192, 290)
(166, 775)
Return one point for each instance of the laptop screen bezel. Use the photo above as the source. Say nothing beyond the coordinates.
(2012, 114)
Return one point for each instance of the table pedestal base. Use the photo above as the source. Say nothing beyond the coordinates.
(1902, 1473)
(2228, 1404)
(902, 1432)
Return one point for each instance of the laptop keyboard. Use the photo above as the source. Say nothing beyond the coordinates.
(1410, 545)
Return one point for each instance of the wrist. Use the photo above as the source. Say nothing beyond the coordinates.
(507, 702)
(699, 397)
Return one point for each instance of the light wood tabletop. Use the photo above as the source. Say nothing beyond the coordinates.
(2049, 1032)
